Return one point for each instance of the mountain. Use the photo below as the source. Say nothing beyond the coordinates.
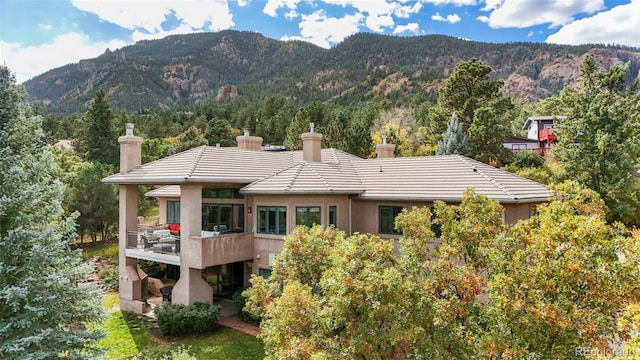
(183, 69)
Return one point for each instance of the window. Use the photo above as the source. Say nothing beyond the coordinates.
(219, 217)
(333, 216)
(308, 215)
(387, 219)
(264, 273)
(272, 220)
(173, 212)
(519, 146)
(215, 193)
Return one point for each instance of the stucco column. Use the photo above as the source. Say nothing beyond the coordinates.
(130, 276)
(191, 287)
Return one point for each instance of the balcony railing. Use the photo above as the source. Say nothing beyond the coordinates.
(540, 151)
(155, 241)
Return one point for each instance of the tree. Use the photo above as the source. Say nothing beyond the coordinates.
(480, 106)
(189, 139)
(334, 133)
(218, 131)
(45, 306)
(599, 141)
(297, 127)
(99, 140)
(454, 141)
(539, 289)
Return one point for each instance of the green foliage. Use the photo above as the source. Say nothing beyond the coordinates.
(218, 131)
(454, 141)
(599, 141)
(300, 125)
(45, 304)
(189, 139)
(524, 159)
(239, 301)
(98, 141)
(537, 289)
(176, 319)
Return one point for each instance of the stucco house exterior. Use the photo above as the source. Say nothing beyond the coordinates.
(230, 208)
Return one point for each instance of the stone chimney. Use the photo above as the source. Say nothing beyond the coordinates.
(311, 146)
(130, 150)
(247, 142)
(385, 150)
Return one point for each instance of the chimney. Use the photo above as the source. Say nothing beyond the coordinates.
(311, 146)
(130, 150)
(385, 150)
(247, 142)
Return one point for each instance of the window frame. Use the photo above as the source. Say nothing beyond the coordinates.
(333, 215)
(173, 211)
(395, 211)
(308, 215)
(279, 213)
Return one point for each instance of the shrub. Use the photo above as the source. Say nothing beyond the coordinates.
(239, 300)
(109, 276)
(526, 159)
(176, 320)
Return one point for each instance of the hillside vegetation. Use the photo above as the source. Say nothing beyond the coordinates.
(185, 69)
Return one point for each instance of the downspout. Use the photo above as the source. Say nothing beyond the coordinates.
(350, 232)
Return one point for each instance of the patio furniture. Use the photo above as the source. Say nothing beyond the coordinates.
(166, 292)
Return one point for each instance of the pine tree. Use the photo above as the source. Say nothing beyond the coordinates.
(45, 306)
(297, 127)
(99, 141)
(454, 141)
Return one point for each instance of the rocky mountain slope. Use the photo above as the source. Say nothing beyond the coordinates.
(184, 69)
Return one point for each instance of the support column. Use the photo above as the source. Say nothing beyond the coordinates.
(191, 287)
(130, 277)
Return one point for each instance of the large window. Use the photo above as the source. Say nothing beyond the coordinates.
(220, 193)
(272, 220)
(333, 216)
(387, 219)
(308, 215)
(221, 217)
(173, 212)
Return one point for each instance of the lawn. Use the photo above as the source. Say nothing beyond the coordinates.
(130, 335)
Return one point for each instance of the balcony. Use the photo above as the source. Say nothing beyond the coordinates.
(547, 135)
(154, 245)
(205, 251)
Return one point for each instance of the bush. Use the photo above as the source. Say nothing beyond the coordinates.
(109, 276)
(239, 300)
(527, 159)
(176, 320)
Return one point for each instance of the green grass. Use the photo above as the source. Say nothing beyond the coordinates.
(130, 335)
(101, 249)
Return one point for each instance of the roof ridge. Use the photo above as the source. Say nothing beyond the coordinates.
(196, 161)
(320, 176)
(295, 175)
(469, 163)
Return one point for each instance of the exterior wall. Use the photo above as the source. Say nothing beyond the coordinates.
(515, 212)
(266, 245)
(365, 214)
(530, 145)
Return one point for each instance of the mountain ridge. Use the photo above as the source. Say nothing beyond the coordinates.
(184, 69)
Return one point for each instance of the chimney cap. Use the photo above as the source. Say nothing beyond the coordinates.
(246, 132)
(128, 129)
(311, 126)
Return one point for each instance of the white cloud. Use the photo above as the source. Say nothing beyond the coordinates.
(451, 19)
(292, 14)
(452, 2)
(148, 15)
(27, 62)
(530, 34)
(272, 6)
(324, 31)
(526, 13)
(412, 28)
(45, 26)
(403, 11)
(377, 22)
(242, 3)
(619, 25)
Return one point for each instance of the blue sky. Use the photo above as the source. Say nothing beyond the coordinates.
(38, 35)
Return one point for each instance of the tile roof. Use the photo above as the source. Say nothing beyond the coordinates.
(267, 172)
(442, 178)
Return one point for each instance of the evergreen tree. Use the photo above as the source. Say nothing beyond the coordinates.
(454, 141)
(189, 139)
(599, 141)
(297, 127)
(98, 142)
(45, 306)
(218, 131)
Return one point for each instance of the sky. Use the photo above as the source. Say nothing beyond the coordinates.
(39, 35)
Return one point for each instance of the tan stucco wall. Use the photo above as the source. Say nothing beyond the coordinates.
(365, 214)
(515, 212)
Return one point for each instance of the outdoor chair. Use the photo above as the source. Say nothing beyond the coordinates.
(147, 244)
(166, 292)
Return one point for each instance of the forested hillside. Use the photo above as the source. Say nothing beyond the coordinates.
(185, 69)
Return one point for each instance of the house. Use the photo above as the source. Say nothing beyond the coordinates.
(519, 143)
(540, 128)
(233, 206)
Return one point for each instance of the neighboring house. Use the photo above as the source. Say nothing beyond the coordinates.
(519, 143)
(233, 207)
(540, 128)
